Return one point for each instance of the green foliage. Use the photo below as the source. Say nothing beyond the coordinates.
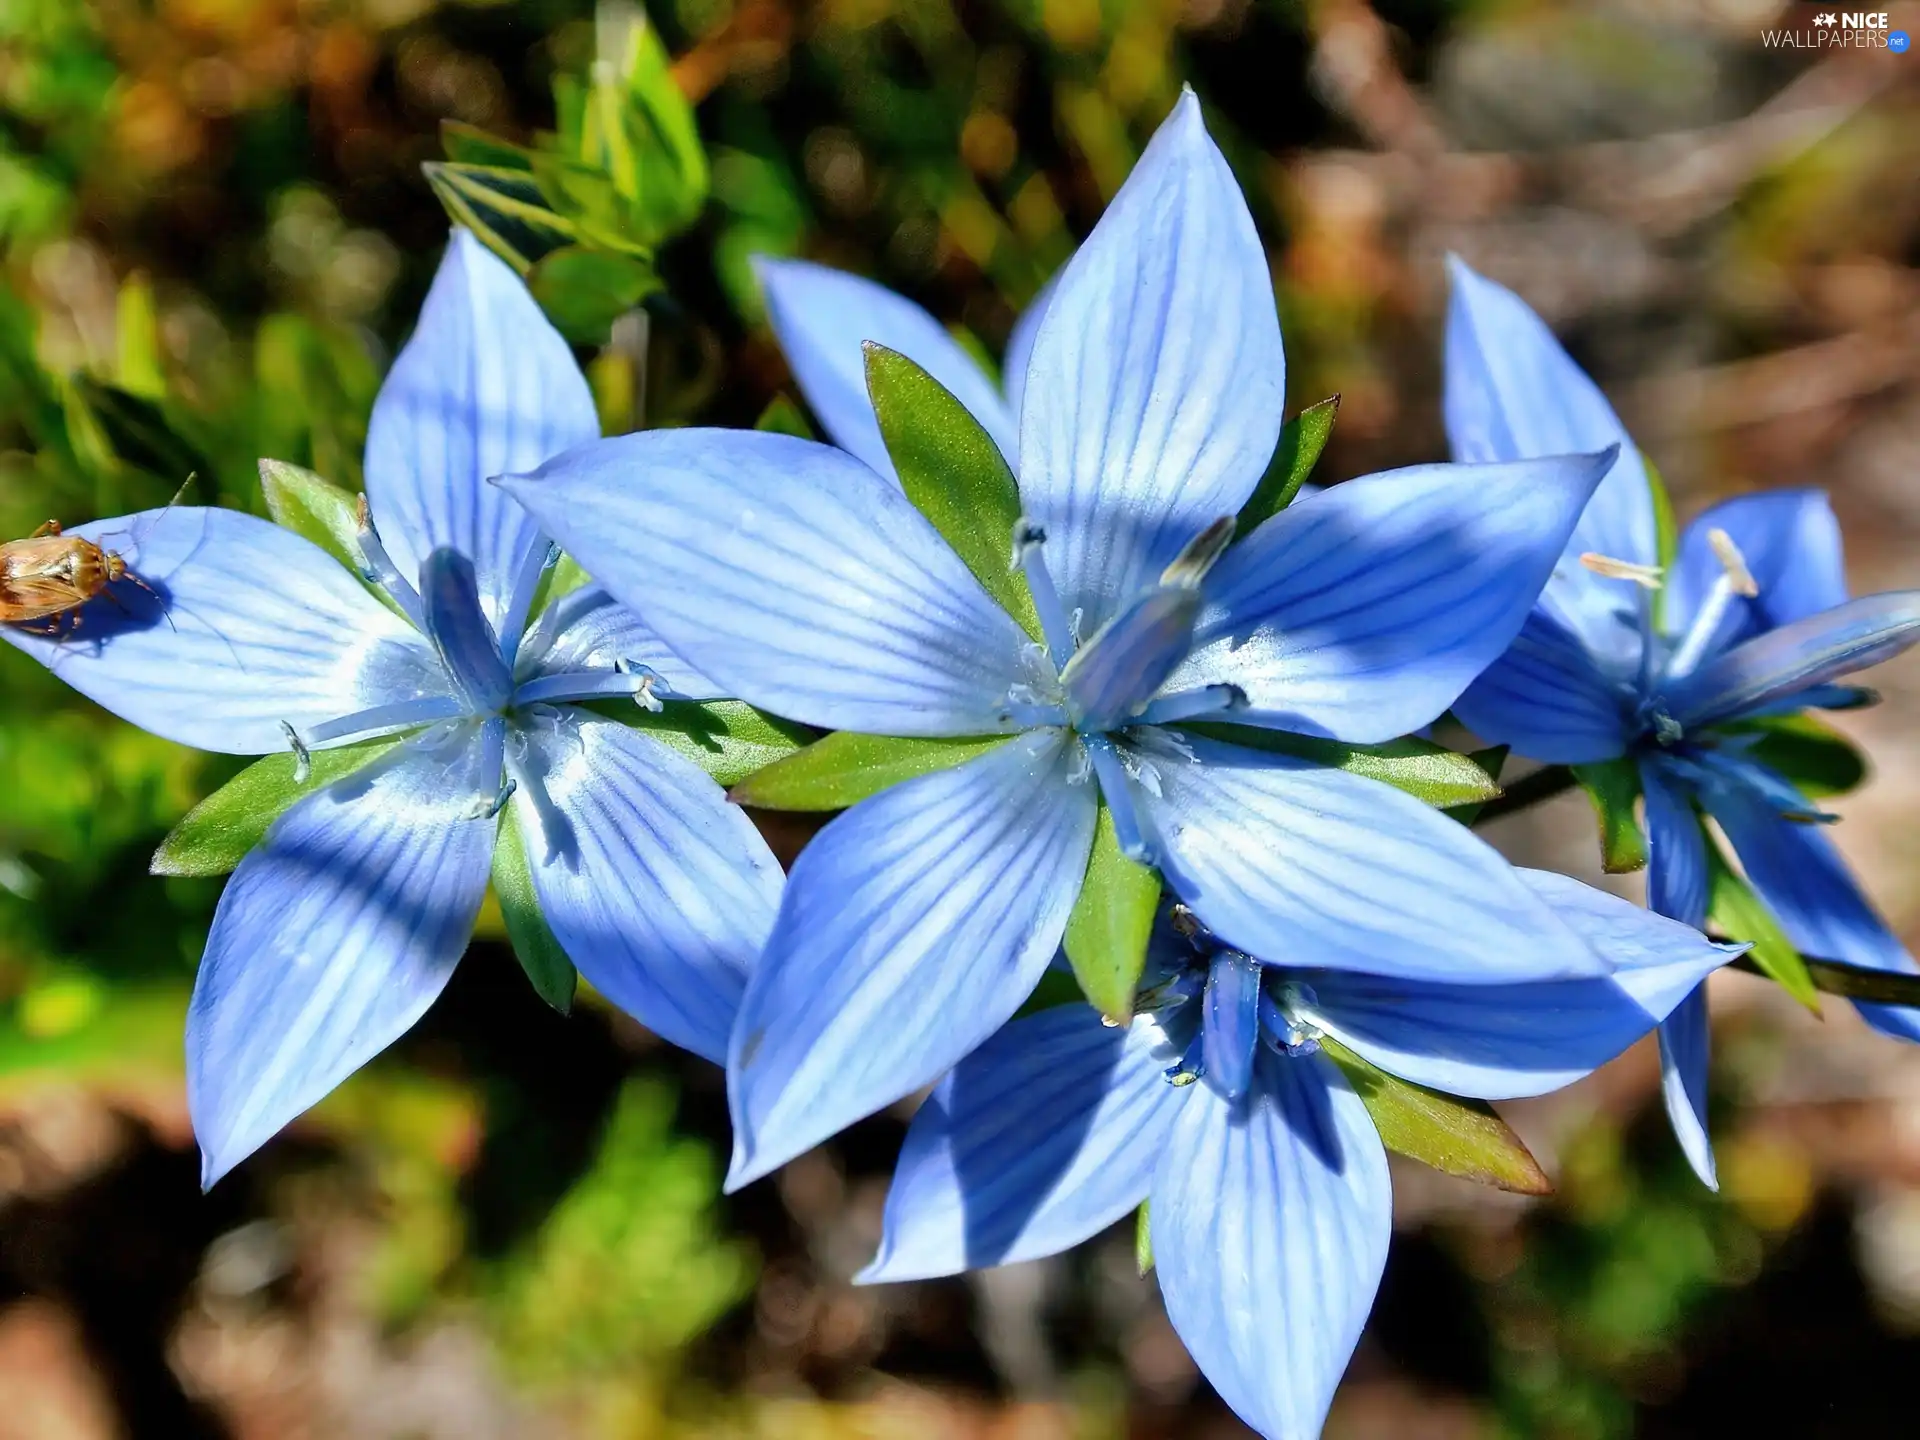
(630, 1266)
(952, 470)
(843, 769)
(1459, 1137)
(540, 955)
(1818, 759)
(1107, 933)
(1424, 770)
(217, 833)
(726, 738)
(314, 509)
(584, 291)
(1733, 910)
(1614, 787)
(1301, 441)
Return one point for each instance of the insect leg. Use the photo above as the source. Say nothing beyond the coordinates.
(52, 527)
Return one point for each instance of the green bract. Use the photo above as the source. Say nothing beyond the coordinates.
(844, 768)
(1613, 786)
(1301, 441)
(1426, 771)
(540, 954)
(1106, 939)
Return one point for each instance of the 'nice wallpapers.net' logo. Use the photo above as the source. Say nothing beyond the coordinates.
(1840, 30)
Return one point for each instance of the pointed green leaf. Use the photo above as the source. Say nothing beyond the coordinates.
(1613, 786)
(1424, 770)
(1460, 1137)
(728, 739)
(504, 208)
(1490, 760)
(314, 508)
(1301, 441)
(587, 200)
(845, 768)
(1818, 759)
(470, 145)
(1733, 910)
(640, 128)
(534, 944)
(783, 417)
(1057, 987)
(584, 291)
(217, 833)
(1106, 940)
(1143, 1240)
(952, 470)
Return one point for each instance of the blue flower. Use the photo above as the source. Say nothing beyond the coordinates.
(1270, 1207)
(917, 922)
(1755, 623)
(341, 928)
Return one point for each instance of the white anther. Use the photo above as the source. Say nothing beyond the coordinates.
(1648, 577)
(1739, 577)
(302, 757)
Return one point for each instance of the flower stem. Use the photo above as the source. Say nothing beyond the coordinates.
(1527, 791)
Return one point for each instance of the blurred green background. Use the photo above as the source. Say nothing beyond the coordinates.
(215, 229)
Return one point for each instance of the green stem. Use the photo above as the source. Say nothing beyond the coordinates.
(1528, 790)
(1884, 987)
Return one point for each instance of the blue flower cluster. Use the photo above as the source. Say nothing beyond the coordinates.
(1125, 670)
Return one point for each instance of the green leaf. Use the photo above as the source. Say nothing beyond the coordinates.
(783, 417)
(1424, 770)
(584, 291)
(1735, 911)
(1143, 1240)
(1490, 760)
(952, 470)
(504, 207)
(470, 145)
(217, 833)
(1459, 1137)
(1613, 786)
(728, 739)
(844, 768)
(1666, 536)
(317, 509)
(138, 431)
(540, 954)
(1818, 759)
(1301, 441)
(637, 126)
(1106, 940)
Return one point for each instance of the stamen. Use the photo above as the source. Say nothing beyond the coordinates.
(1286, 1020)
(302, 756)
(485, 809)
(1188, 704)
(1187, 925)
(1736, 581)
(380, 569)
(1028, 540)
(526, 585)
(1734, 563)
(1648, 577)
(1190, 566)
(1191, 1065)
(1115, 789)
(385, 719)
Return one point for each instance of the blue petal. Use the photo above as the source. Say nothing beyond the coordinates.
(1799, 874)
(822, 318)
(1684, 1041)
(1512, 393)
(1153, 396)
(1501, 1041)
(334, 936)
(1231, 1022)
(485, 386)
(1549, 698)
(913, 927)
(1797, 656)
(1040, 1139)
(1677, 878)
(1270, 1225)
(660, 891)
(243, 626)
(792, 574)
(1013, 373)
(450, 599)
(588, 631)
(1303, 865)
(1363, 612)
(1791, 544)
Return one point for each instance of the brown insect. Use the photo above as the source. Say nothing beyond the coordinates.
(46, 578)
